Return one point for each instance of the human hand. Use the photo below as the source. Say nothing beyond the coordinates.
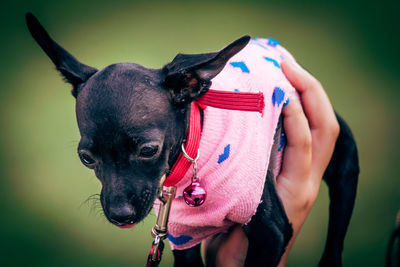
(311, 129)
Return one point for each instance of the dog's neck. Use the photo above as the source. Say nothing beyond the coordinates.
(184, 116)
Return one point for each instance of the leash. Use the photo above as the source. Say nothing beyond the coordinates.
(159, 231)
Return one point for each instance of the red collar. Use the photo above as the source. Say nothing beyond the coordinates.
(218, 99)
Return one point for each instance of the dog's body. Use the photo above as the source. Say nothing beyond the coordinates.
(133, 121)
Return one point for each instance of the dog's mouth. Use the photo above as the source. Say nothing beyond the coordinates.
(122, 225)
(127, 226)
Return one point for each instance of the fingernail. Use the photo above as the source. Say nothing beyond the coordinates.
(293, 64)
(297, 65)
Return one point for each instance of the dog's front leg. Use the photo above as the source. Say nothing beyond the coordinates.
(188, 257)
(269, 230)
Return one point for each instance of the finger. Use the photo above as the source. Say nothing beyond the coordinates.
(226, 249)
(315, 101)
(297, 154)
(320, 114)
(234, 250)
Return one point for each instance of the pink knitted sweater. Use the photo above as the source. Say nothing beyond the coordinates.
(235, 147)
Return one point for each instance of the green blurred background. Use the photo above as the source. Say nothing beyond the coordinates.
(45, 220)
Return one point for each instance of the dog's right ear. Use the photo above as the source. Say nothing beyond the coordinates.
(73, 71)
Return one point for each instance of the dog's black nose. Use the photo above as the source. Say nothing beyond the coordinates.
(122, 214)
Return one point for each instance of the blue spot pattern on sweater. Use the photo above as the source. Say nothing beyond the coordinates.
(273, 61)
(278, 96)
(286, 103)
(180, 240)
(272, 42)
(282, 142)
(241, 65)
(236, 90)
(259, 42)
(224, 156)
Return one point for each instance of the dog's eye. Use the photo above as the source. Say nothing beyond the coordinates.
(86, 159)
(148, 151)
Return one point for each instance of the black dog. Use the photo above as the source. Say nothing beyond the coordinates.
(132, 122)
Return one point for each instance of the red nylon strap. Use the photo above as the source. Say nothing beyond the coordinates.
(217, 99)
(192, 146)
(233, 100)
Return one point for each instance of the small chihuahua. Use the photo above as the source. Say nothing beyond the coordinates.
(135, 124)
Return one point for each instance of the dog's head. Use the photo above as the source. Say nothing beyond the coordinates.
(132, 119)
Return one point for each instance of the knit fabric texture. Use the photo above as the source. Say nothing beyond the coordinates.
(235, 147)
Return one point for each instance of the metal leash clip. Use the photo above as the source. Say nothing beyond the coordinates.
(159, 231)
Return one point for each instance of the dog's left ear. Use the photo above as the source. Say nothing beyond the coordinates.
(189, 76)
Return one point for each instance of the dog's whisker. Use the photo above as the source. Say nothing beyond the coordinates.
(94, 204)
